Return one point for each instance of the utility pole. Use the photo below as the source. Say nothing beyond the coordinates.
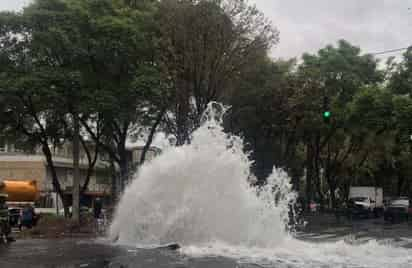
(76, 171)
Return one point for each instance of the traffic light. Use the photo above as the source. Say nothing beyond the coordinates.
(326, 110)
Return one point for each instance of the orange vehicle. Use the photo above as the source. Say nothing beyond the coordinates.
(21, 193)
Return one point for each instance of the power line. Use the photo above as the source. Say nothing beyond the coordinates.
(389, 51)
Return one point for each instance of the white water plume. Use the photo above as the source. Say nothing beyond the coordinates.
(199, 195)
(293, 253)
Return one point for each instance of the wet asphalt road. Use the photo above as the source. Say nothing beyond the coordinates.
(359, 231)
(70, 253)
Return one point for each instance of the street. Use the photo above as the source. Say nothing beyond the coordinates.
(70, 253)
(93, 253)
(357, 231)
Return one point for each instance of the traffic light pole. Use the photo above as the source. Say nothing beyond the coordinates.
(326, 110)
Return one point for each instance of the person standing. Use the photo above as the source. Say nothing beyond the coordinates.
(5, 228)
(97, 208)
(27, 217)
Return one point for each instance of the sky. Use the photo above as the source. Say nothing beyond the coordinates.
(12, 4)
(308, 25)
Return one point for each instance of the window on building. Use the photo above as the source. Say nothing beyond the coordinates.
(45, 201)
(20, 148)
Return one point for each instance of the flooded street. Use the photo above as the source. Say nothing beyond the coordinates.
(70, 253)
(359, 231)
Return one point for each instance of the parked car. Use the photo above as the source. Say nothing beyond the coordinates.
(365, 201)
(398, 209)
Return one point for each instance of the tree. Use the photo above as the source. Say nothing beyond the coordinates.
(121, 74)
(264, 113)
(205, 46)
(29, 115)
(400, 78)
(338, 74)
(399, 84)
(279, 110)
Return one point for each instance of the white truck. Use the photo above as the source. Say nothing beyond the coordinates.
(366, 200)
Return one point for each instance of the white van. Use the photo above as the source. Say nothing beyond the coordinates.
(366, 200)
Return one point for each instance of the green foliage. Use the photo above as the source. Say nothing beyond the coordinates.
(205, 47)
(92, 59)
(125, 65)
(400, 81)
(361, 136)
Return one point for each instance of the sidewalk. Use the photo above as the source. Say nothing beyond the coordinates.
(52, 227)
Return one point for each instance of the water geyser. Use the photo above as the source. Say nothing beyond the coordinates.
(200, 193)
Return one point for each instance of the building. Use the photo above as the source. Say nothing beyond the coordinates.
(135, 153)
(16, 164)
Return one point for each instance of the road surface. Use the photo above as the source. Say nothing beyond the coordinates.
(82, 253)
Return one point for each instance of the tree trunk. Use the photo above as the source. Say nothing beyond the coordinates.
(124, 173)
(114, 189)
(328, 174)
(91, 164)
(401, 181)
(76, 171)
(182, 115)
(332, 196)
(55, 180)
(317, 176)
(309, 175)
(123, 155)
(151, 136)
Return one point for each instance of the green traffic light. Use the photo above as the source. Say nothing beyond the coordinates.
(326, 114)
